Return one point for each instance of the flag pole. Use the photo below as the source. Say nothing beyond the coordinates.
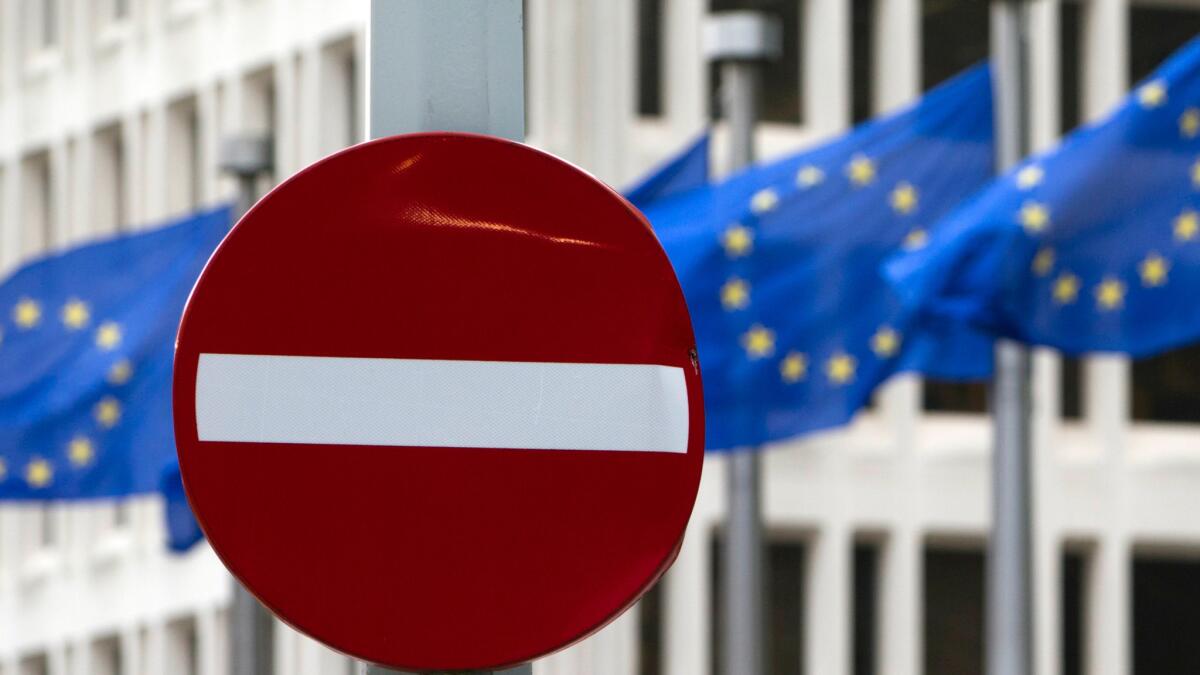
(1009, 574)
(247, 157)
(740, 42)
(434, 65)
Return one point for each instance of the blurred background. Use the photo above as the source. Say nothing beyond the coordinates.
(111, 115)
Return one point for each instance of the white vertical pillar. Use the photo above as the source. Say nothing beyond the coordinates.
(901, 647)
(897, 67)
(686, 88)
(687, 603)
(1108, 625)
(825, 61)
(827, 598)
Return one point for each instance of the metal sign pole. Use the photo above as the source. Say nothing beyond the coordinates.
(1009, 578)
(434, 65)
(251, 652)
(741, 41)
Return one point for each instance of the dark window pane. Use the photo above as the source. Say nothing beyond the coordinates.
(942, 396)
(1166, 612)
(1072, 613)
(782, 88)
(863, 36)
(1164, 387)
(866, 607)
(953, 612)
(784, 607)
(1155, 32)
(650, 50)
(1070, 64)
(954, 36)
(1072, 387)
(650, 632)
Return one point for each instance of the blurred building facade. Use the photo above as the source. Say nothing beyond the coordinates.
(111, 113)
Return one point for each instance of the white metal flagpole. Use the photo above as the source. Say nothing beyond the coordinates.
(442, 65)
(1009, 577)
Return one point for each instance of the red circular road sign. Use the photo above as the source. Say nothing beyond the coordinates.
(436, 403)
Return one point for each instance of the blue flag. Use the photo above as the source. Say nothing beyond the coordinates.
(780, 265)
(1091, 246)
(87, 340)
(687, 170)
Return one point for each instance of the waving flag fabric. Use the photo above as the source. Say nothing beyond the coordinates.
(1091, 246)
(687, 170)
(86, 346)
(781, 267)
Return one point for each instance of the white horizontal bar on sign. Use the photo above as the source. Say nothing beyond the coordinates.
(437, 403)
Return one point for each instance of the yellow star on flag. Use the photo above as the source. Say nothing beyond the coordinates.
(75, 314)
(738, 240)
(759, 342)
(1189, 123)
(904, 198)
(1152, 94)
(1034, 217)
(1187, 223)
(861, 170)
(886, 342)
(1196, 175)
(764, 200)
(735, 294)
(38, 473)
(1066, 288)
(809, 176)
(3, 470)
(1030, 177)
(794, 367)
(107, 412)
(81, 451)
(1110, 294)
(915, 239)
(108, 335)
(1154, 270)
(120, 372)
(840, 368)
(27, 313)
(1043, 262)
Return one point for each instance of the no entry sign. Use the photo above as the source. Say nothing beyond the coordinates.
(437, 404)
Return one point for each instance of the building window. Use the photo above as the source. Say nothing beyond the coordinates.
(784, 600)
(1073, 615)
(953, 612)
(1166, 611)
(1162, 389)
(954, 36)
(37, 664)
(1071, 381)
(184, 165)
(106, 657)
(866, 608)
(37, 204)
(42, 20)
(1070, 65)
(183, 650)
(863, 50)
(781, 82)
(259, 112)
(108, 180)
(650, 631)
(650, 58)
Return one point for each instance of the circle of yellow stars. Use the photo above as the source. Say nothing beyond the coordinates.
(75, 315)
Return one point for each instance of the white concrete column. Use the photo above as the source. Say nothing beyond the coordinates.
(897, 67)
(606, 103)
(208, 122)
(685, 89)
(154, 164)
(825, 61)
(1108, 649)
(687, 603)
(828, 591)
(310, 104)
(60, 216)
(209, 661)
(901, 646)
(134, 148)
(131, 653)
(285, 122)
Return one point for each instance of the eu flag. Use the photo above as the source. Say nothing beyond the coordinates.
(780, 265)
(86, 346)
(686, 170)
(1091, 246)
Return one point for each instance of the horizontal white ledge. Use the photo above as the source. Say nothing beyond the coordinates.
(437, 403)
